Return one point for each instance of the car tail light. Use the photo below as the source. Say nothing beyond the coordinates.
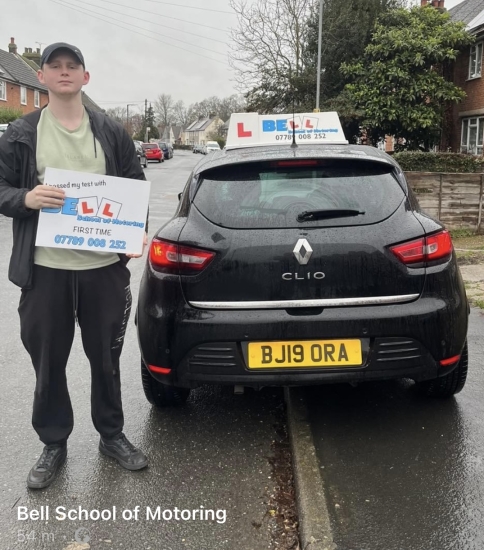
(177, 258)
(159, 370)
(449, 361)
(426, 249)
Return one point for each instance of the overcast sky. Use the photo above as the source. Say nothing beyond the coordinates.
(135, 49)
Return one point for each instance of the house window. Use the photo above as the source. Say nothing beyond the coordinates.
(475, 61)
(23, 95)
(36, 99)
(3, 90)
(472, 134)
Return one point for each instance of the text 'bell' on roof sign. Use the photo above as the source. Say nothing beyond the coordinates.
(252, 129)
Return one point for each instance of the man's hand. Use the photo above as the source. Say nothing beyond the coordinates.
(145, 242)
(44, 196)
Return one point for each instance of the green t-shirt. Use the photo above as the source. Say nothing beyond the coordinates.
(58, 147)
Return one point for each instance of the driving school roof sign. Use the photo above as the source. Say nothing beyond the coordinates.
(252, 129)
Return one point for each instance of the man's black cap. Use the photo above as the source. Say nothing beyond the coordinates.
(47, 53)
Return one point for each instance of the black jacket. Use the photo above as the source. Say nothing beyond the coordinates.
(18, 175)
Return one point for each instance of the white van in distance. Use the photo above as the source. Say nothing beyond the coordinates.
(210, 146)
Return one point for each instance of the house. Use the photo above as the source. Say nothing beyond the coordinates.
(198, 132)
(224, 129)
(19, 87)
(174, 134)
(468, 115)
(178, 134)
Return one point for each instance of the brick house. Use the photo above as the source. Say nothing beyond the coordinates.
(468, 115)
(19, 87)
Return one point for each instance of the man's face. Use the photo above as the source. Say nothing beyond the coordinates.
(63, 74)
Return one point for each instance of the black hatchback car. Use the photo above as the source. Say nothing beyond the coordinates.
(300, 266)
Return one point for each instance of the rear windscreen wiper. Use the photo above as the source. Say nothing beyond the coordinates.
(309, 215)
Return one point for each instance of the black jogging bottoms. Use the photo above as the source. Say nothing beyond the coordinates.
(101, 301)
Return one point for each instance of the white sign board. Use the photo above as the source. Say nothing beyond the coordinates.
(252, 129)
(100, 213)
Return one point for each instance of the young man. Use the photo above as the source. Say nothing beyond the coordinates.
(60, 286)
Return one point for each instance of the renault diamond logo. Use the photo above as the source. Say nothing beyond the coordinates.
(303, 251)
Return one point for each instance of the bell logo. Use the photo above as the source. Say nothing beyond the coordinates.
(87, 206)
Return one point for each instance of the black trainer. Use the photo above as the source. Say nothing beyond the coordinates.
(124, 452)
(45, 469)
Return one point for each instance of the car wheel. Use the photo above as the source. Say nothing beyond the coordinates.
(161, 395)
(449, 385)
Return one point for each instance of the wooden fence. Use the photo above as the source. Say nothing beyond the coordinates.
(455, 199)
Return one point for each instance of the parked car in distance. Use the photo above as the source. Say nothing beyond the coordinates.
(197, 148)
(3, 128)
(141, 153)
(324, 270)
(210, 146)
(167, 149)
(153, 151)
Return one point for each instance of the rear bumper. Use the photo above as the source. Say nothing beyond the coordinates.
(402, 341)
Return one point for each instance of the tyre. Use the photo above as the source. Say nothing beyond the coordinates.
(449, 385)
(160, 395)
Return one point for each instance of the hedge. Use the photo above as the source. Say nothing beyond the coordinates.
(439, 162)
(8, 114)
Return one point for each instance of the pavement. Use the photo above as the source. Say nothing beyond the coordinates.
(473, 276)
(316, 523)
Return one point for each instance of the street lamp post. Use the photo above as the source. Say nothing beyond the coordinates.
(128, 126)
(318, 74)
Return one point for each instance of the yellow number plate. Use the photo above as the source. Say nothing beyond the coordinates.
(307, 353)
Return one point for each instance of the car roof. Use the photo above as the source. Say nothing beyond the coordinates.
(259, 153)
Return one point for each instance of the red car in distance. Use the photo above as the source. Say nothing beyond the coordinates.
(153, 152)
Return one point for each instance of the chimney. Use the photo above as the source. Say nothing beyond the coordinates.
(12, 47)
(32, 55)
(434, 3)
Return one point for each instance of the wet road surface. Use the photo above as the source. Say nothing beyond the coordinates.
(210, 455)
(401, 471)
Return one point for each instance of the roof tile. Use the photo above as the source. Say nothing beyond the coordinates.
(20, 71)
(467, 10)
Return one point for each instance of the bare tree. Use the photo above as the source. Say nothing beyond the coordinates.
(269, 41)
(232, 104)
(182, 115)
(207, 107)
(215, 106)
(136, 123)
(118, 114)
(164, 110)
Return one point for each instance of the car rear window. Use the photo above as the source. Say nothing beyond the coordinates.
(268, 195)
(150, 146)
